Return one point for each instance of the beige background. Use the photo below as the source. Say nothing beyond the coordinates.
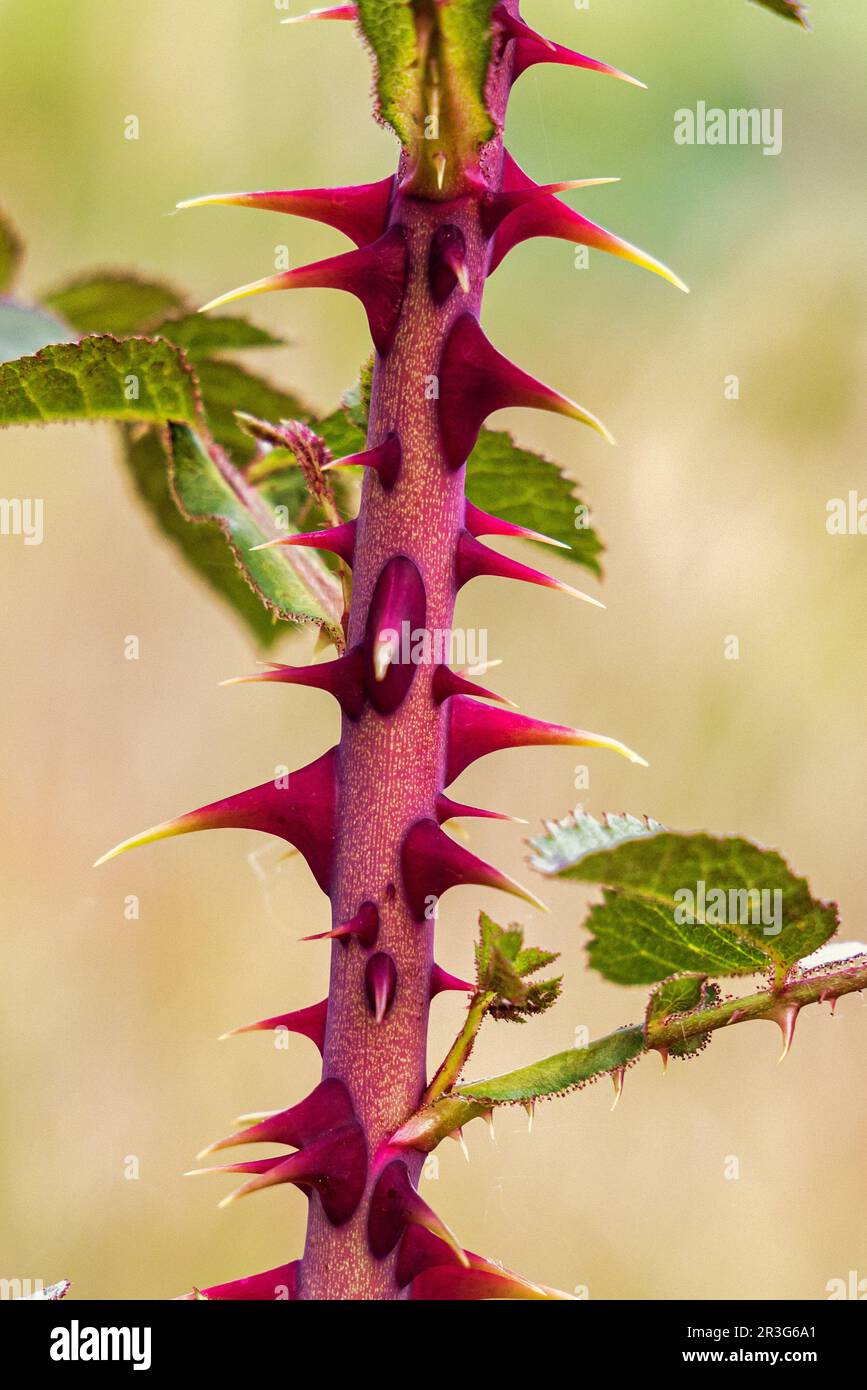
(714, 512)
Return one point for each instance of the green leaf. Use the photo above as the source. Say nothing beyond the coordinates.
(674, 903)
(556, 1075)
(292, 583)
(11, 254)
(341, 434)
(99, 379)
(526, 488)
(227, 388)
(389, 27)
(203, 546)
(201, 336)
(502, 965)
(112, 302)
(789, 9)
(24, 329)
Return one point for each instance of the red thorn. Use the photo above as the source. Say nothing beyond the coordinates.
(329, 12)
(447, 263)
(364, 926)
(326, 1109)
(786, 1017)
(475, 561)
(309, 1022)
(548, 217)
(299, 807)
(375, 274)
(480, 523)
(663, 1053)
(273, 1285)
(342, 678)
(447, 682)
(397, 609)
(385, 461)
(394, 1205)
(475, 730)
(432, 864)
(498, 206)
(360, 212)
(380, 985)
(531, 48)
(339, 540)
(617, 1078)
(446, 810)
(334, 1166)
(476, 380)
(441, 982)
(825, 995)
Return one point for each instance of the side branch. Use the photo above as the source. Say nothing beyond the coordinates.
(611, 1055)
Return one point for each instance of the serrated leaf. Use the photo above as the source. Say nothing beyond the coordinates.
(25, 329)
(99, 378)
(675, 903)
(502, 965)
(789, 9)
(112, 302)
(567, 841)
(203, 546)
(555, 1075)
(389, 27)
(11, 254)
(525, 487)
(292, 583)
(202, 335)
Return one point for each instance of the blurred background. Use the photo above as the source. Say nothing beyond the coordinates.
(714, 514)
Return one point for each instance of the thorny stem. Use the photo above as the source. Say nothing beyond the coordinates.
(392, 769)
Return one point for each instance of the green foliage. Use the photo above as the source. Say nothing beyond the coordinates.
(99, 378)
(432, 63)
(503, 964)
(293, 584)
(674, 903)
(11, 254)
(203, 547)
(201, 336)
(389, 27)
(228, 388)
(111, 302)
